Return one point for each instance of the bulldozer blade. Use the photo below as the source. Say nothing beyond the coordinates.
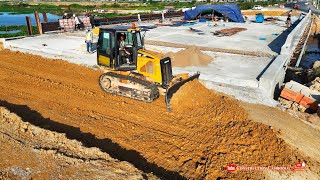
(173, 89)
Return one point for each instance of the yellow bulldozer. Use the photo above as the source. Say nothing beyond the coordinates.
(133, 71)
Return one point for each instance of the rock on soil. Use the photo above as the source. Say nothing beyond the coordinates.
(315, 84)
(191, 56)
(316, 64)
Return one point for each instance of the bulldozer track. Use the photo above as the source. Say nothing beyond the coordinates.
(135, 94)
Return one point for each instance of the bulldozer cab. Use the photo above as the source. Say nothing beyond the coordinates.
(118, 47)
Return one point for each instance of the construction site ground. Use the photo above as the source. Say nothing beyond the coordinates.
(56, 122)
(236, 67)
(201, 35)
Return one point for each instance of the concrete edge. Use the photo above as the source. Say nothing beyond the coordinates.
(272, 79)
(14, 38)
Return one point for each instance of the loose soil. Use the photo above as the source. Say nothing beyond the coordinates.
(191, 56)
(270, 12)
(28, 151)
(231, 31)
(236, 138)
(294, 129)
(204, 134)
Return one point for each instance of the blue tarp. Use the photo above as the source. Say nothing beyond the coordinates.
(232, 11)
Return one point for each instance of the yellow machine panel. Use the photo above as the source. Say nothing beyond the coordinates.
(149, 65)
(104, 60)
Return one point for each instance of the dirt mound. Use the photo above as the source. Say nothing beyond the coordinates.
(293, 13)
(195, 99)
(191, 56)
(234, 138)
(270, 13)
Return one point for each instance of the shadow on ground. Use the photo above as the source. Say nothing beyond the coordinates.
(89, 140)
(278, 42)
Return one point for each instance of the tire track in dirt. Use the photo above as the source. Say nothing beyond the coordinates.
(66, 98)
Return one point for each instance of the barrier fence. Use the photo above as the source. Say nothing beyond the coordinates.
(68, 24)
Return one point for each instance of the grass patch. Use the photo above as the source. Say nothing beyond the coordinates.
(23, 8)
(23, 31)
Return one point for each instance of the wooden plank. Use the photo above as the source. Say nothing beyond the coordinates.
(45, 18)
(36, 15)
(29, 26)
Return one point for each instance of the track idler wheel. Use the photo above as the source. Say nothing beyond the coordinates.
(105, 82)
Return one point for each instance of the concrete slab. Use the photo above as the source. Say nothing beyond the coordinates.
(246, 94)
(55, 46)
(245, 40)
(231, 69)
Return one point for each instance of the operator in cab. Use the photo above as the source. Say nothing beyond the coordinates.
(122, 50)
